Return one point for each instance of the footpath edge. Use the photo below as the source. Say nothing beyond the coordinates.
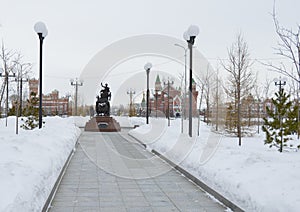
(47, 204)
(194, 179)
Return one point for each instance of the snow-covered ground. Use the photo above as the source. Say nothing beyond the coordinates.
(126, 121)
(31, 161)
(254, 176)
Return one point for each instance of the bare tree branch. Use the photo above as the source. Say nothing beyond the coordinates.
(288, 47)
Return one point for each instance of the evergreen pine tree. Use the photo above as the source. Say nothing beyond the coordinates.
(282, 122)
(31, 113)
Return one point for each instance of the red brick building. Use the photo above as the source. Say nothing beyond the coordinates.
(160, 99)
(34, 86)
(52, 104)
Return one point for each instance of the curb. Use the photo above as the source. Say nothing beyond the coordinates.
(47, 204)
(198, 182)
(194, 179)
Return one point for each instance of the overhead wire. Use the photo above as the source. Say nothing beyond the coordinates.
(172, 60)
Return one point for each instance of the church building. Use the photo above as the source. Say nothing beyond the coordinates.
(166, 94)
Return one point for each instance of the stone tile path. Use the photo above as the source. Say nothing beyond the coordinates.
(112, 172)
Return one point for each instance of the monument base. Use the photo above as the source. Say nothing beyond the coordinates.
(102, 124)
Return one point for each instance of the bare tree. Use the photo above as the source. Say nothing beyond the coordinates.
(241, 78)
(217, 114)
(206, 85)
(261, 93)
(289, 48)
(266, 88)
(23, 71)
(7, 57)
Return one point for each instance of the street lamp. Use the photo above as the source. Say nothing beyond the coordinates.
(131, 92)
(185, 57)
(168, 108)
(41, 29)
(280, 82)
(19, 79)
(6, 74)
(147, 67)
(23, 67)
(155, 94)
(183, 100)
(76, 83)
(190, 36)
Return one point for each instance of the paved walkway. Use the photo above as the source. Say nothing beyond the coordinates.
(112, 172)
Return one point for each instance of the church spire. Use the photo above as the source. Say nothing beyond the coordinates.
(157, 79)
(143, 103)
(158, 84)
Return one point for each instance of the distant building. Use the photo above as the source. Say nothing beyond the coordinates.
(52, 104)
(160, 99)
(34, 86)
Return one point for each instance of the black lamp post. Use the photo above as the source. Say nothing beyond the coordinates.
(41, 29)
(280, 82)
(147, 67)
(190, 36)
(6, 74)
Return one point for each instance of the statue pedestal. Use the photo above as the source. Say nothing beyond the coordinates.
(102, 124)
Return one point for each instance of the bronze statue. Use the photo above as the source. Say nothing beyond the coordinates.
(102, 103)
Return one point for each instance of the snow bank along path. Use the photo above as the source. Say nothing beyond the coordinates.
(31, 161)
(253, 176)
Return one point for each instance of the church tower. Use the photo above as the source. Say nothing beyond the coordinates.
(158, 86)
(143, 103)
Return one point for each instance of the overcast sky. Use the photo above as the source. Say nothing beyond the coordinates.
(78, 29)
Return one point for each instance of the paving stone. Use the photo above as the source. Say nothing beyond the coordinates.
(136, 204)
(88, 187)
(65, 194)
(215, 208)
(157, 198)
(62, 198)
(139, 209)
(160, 203)
(114, 198)
(88, 194)
(86, 209)
(111, 203)
(87, 199)
(64, 203)
(88, 204)
(110, 209)
(61, 209)
(165, 208)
